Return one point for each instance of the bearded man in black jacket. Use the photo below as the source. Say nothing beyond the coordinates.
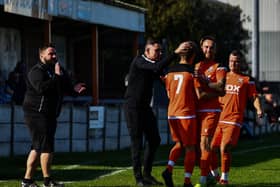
(140, 118)
(46, 83)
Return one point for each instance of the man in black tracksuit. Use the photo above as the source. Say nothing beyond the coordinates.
(139, 115)
(46, 82)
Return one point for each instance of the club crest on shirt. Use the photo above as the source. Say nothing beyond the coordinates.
(240, 80)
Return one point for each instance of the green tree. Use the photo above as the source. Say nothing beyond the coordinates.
(179, 20)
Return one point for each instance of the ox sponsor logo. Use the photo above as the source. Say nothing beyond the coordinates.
(232, 89)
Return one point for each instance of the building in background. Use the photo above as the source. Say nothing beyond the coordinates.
(95, 39)
(269, 36)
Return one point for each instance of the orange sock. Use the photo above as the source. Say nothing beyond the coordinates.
(174, 155)
(204, 163)
(226, 159)
(214, 161)
(189, 161)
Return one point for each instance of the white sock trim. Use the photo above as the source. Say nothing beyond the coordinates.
(171, 163)
(224, 176)
(188, 175)
(215, 172)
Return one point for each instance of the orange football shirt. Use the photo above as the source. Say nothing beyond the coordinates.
(239, 88)
(180, 90)
(213, 73)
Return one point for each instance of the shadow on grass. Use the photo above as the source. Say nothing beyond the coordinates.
(68, 166)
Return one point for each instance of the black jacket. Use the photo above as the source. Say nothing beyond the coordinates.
(45, 90)
(142, 73)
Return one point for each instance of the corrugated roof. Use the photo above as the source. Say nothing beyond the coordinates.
(122, 4)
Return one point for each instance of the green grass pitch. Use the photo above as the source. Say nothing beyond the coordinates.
(255, 163)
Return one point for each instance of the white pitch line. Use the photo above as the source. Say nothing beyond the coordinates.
(157, 162)
(164, 161)
(122, 169)
(71, 167)
(114, 172)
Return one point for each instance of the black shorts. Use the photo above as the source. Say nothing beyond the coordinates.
(42, 130)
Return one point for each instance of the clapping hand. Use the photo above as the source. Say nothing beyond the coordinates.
(57, 68)
(80, 87)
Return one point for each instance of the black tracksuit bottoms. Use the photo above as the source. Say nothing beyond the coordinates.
(141, 122)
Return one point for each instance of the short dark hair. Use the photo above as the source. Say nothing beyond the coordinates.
(244, 66)
(207, 37)
(44, 47)
(152, 41)
(237, 53)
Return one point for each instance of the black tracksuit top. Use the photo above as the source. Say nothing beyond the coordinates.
(45, 90)
(142, 73)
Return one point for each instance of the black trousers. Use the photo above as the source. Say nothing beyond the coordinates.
(142, 123)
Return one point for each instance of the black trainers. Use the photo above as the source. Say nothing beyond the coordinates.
(212, 180)
(54, 184)
(188, 185)
(149, 179)
(141, 183)
(24, 184)
(167, 176)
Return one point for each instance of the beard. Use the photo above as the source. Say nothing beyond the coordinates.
(50, 63)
